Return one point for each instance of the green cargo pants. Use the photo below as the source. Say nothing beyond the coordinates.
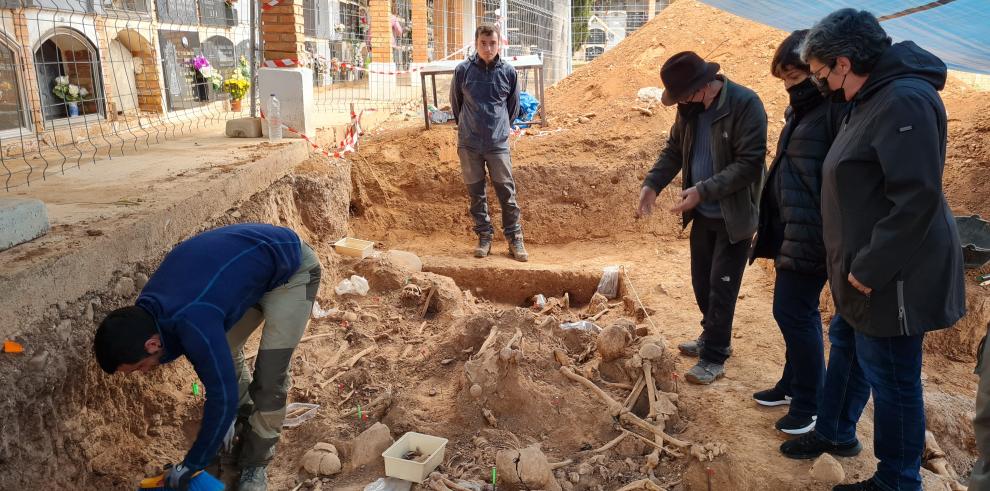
(285, 312)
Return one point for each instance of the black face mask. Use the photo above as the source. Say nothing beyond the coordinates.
(837, 95)
(804, 94)
(690, 110)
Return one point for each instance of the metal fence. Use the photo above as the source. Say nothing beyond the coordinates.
(89, 80)
(599, 25)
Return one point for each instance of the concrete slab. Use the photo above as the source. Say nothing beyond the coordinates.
(21, 220)
(109, 215)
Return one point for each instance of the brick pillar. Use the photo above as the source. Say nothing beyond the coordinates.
(420, 41)
(283, 30)
(106, 67)
(455, 20)
(30, 80)
(148, 83)
(380, 12)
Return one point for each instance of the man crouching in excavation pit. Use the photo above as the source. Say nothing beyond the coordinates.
(209, 294)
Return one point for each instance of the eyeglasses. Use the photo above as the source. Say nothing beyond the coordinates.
(821, 82)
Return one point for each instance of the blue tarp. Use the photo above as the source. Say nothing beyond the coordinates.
(957, 31)
(528, 105)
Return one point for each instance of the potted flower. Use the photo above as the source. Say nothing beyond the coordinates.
(237, 87)
(71, 94)
(205, 74)
(238, 84)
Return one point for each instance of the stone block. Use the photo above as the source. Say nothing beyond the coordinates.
(21, 220)
(244, 128)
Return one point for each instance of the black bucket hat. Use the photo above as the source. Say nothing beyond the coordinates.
(683, 74)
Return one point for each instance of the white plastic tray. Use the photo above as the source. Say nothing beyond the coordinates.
(410, 470)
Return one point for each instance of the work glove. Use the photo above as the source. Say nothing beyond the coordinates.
(178, 477)
(228, 439)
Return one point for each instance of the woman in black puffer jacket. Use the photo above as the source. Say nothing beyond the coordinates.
(790, 233)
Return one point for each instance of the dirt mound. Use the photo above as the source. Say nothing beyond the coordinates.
(579, 180)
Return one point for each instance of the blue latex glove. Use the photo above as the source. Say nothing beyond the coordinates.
(178, 477)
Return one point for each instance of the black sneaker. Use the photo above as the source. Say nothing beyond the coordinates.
(867, 485)
(691, 348)
(694, 348)
(793, 425)
(810, 445)
(772, 397)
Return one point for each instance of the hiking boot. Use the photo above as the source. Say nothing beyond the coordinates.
(253, 479)
(705, 372)
(867, 485)
(793, 425)
(810, 445)
(517, 250)
(694, 348)
(484, 246)
(772, 397)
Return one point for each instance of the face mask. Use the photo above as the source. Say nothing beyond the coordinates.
(690, 109)
(804, 94)
(839, 95)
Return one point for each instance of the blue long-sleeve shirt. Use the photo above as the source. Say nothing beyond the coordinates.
(199, 292)
(485, 100)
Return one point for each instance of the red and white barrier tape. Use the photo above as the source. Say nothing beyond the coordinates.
(346, 146)
(283, 63)
(269, 4)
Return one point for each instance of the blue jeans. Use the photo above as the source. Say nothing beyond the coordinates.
(891, 367)
(795, 307)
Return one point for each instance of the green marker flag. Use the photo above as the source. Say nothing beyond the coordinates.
(195, 389)
(493, 476)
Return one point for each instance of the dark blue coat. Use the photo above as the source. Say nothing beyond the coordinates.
(485, 100)
(202, 288)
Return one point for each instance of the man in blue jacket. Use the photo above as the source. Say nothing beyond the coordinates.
(209, 294)
(484, 97)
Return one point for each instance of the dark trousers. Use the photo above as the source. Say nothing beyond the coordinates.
(795, 308)
(499, 165)
(716, 272)
(891, 367)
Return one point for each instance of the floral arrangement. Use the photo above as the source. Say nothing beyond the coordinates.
(239, 83)
(68, 92)
(202, 65)
(237, 87)
(320, 64)
(242, 67)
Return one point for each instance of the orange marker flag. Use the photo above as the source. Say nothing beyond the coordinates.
(12, 347)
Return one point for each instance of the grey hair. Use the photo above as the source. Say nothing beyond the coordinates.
(855, 34)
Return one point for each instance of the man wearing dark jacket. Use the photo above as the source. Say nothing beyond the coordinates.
(718, 143)
(790, 233)
(207, 297)
(484, 97)
(894, 259)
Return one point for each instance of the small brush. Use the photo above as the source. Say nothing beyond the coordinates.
(201, 481)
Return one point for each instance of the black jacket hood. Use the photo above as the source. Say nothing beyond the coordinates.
(904, 60)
